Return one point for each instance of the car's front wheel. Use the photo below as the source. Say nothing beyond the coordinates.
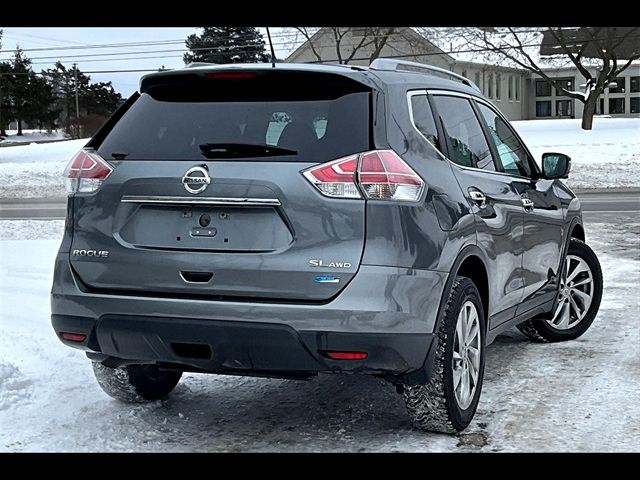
(449, 400)
(136, 383)
(578, 298)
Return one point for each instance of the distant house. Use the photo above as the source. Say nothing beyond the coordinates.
(518, 93)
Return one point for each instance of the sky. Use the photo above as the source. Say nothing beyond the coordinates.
(58, 42)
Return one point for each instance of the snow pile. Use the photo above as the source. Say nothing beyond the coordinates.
(29, 136)
(14, 387)
(574, 396)
(31, 229)
(35, 170)
(607, 156)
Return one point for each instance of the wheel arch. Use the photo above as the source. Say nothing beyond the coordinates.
(577, 230)
(470, 263)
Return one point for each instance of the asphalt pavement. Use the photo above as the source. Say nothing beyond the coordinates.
(598, 206)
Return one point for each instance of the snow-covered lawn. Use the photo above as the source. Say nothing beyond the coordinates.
(574, 396)
(35, 170)
(607, 156)
(32, 136)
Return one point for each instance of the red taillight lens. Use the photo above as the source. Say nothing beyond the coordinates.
(86, 172)
(335, 179)
(333, 355)
(381, 174)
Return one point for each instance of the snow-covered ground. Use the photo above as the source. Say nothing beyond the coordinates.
(32, 136)
(607, 156)
(35, 170)
(574, 396)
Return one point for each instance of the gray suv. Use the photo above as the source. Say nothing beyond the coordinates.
(301, 219)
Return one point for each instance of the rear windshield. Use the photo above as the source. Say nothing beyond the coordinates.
(303, 130)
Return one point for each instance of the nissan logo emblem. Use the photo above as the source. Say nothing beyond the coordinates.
(196, 180)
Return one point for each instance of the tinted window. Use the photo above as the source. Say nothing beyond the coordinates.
(512, 155)
(317, 129)
(468, 145)
(423, 119)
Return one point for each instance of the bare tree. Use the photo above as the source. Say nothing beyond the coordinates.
(351, 43)
(599, 53)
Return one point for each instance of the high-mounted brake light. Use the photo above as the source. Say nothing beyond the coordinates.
(86, 172)
(231, 75)
(380, 174)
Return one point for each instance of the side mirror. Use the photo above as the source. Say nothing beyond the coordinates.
(556, 165)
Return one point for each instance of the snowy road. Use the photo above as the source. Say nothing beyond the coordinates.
(576, 396)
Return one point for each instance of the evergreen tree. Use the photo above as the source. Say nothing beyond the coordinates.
(226, 45)
(20, 81)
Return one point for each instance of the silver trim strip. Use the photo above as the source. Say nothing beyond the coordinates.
(227, 201)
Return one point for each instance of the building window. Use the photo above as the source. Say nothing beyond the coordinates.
(518, 80)
(543, 109)
(616, 106)
(635, 84)
(498, 86)
(478, 80)
(601, 106)
(464, 74)
(510, 87)
(619, 86)
(564, 108)
(490, 85)
(634, 105)
(543, 89)
(566, 83)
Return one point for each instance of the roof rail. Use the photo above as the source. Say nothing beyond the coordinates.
(392, 64)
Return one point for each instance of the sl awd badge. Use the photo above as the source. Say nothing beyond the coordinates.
(322, 264)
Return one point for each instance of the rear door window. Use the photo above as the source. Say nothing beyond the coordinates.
(467, 144)
(303, 129)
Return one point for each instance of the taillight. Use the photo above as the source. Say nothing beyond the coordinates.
(335, 179)
(86, 172)
(381, 174)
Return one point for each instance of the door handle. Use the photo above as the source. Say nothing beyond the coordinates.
(478, 197)
(527, 204)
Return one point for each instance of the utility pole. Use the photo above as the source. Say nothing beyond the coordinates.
(75, 76)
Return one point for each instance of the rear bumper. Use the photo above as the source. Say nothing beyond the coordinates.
(389, 313)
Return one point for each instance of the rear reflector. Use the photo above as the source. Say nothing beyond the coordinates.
(379, 174)
(345, 355)
(73, 337)
(86, 172)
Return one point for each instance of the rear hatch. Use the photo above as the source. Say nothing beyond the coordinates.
(207, 197)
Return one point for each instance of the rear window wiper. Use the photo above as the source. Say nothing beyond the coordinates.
(231, 150)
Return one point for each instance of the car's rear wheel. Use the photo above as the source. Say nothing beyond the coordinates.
(578, 298)
(136, 383)
(448, 402)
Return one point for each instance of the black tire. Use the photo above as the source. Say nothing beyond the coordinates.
(136, 383)
(433, 407)
(539, 330)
